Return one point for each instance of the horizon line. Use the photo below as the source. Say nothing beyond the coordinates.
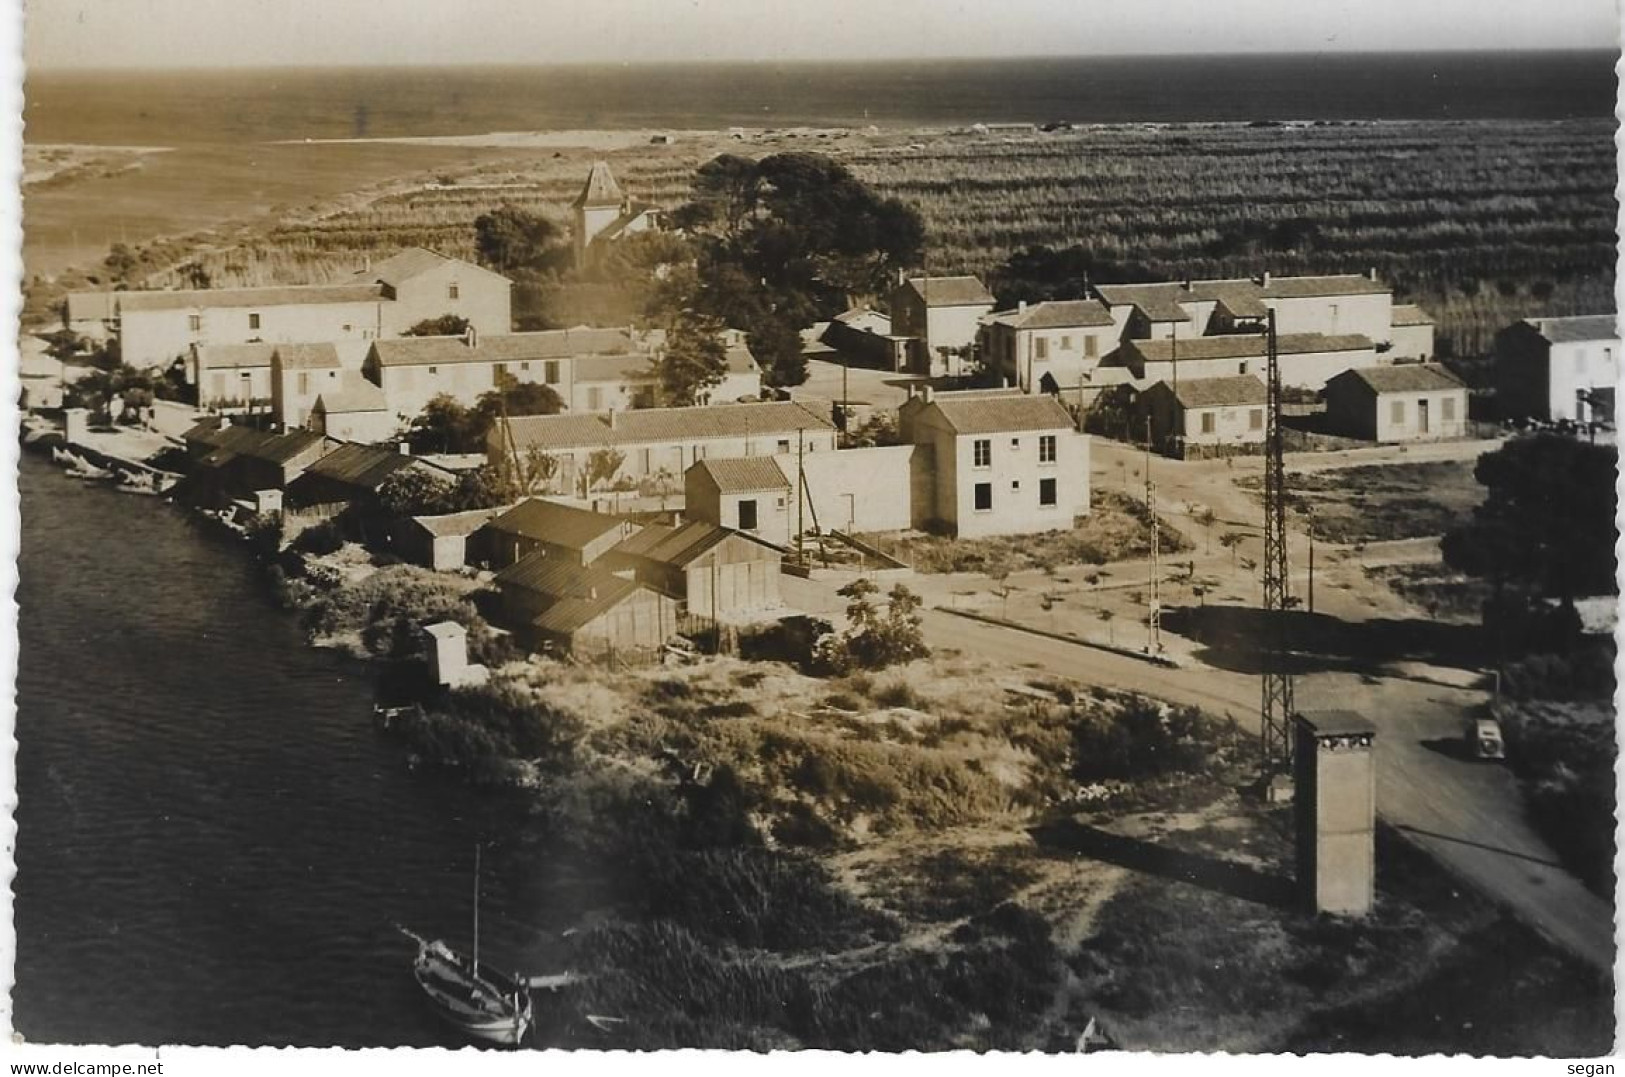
(52, 68)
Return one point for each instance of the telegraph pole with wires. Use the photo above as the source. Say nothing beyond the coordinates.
(1153, 619)
(1277, 706)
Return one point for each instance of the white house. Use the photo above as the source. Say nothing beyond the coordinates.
(942, 315)
(604, 213)
(1558, 368)
(1405, 402)
(1307, 359)
(1204, 416)
(1047, 347)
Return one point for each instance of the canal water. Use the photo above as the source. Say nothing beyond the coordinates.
(214, 841)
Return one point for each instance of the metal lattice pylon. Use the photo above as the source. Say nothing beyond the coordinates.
(1277, 708)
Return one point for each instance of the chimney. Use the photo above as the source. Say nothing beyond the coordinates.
(406, 449)
(613, 418)
(1021, 307)
(1373, 274)
(471, 337)
(925, 393)
(1266, 278)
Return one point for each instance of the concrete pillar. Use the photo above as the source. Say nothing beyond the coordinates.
(77, 425)
(1336, 796)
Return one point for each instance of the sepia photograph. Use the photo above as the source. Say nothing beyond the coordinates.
(1025, 527)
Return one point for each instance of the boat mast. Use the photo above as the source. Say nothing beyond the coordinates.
(476, 910)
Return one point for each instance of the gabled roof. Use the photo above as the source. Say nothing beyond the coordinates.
(414, 262)
(746, 474)
(363, 466)
(865, 320)
(557, 525)
(1055, 314)
(676, 546)
(1311, 287)
(234, 356)
(580, 594)
(629, 215)
(503, 347)
(598, 369)
(1574, 330)
(601, 190)
(600, 429)
(1157, 302)
(950, 291)
(455, 523)
(1218, 392)
(240, 441)
(1410, 314)
(1404, 378)
(1244, 346)
(986, 413)
(353, 393)
(305, 356)
(222, 298)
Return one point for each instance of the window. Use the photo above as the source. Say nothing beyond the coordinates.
(780, 502)
(253, 321)
(1046, 448)
(1015, 443)
(304, 383)
(984, 497)
(1091, 347)
(1046, 493)
(451, 292)
(1207, 422)
(982, 452)
(524, 366)
(595, 399)
(551, 372)
(1015, 485)
(498, 372)
(1447, 408)
(784, 444)
(1396, 412)
(1255, 419)
(1066, 343)
(434, 370)
(1241, 368)
(1041, 348)
(194, 322)
(347, 328)
(747, 514)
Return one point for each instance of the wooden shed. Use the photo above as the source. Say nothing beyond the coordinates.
(716, 572)
(554, 604)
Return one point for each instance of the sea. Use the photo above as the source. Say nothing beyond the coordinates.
(247, 105)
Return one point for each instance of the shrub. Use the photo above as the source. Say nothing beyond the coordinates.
(319, 540)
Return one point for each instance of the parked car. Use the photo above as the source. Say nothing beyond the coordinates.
(1483, 737)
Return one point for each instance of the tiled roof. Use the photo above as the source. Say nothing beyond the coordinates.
(981, 413)
(503, 347)
(216, 298)
(306, 356)
(744, 474)
(556, 524)
(581, 595)
(352, 394)
(1245, 346)
(600, 190)
(234, 356)
(234, 441)
(1310, 287)
(1577, 329)
(363, 466)
(1056, 314)
(614, 228)
(865, 320)
(951, 291)
(615, 368)
(1157, 302)
(1408, 314)
(1219, 392)
(1405, 378)
(677, 546)
(576, 431)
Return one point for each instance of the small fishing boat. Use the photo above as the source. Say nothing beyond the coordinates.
(493, 1007)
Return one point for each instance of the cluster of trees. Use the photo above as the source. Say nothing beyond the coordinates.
(872, 639)
(413, 492)
(779, 244)
(447, 426)
(515, 241)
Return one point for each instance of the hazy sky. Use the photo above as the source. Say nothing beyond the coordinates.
(104, 33)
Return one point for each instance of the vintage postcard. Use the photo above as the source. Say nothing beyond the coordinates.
(1000, 527)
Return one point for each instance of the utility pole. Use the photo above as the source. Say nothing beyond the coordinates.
(1276, 708)
(801, 497)
(1153, 620)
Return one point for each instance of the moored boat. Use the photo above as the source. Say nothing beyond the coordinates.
(485, 1005)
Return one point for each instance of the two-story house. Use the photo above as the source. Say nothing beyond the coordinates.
(1047, 347)
(1558, 368)
(941, 315)
(1004, 462)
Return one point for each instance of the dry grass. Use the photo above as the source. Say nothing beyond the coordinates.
(1382, 502)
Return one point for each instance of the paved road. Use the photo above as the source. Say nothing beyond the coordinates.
(1469, 815)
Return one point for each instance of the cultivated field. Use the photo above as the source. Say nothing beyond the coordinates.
(1480, 222)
